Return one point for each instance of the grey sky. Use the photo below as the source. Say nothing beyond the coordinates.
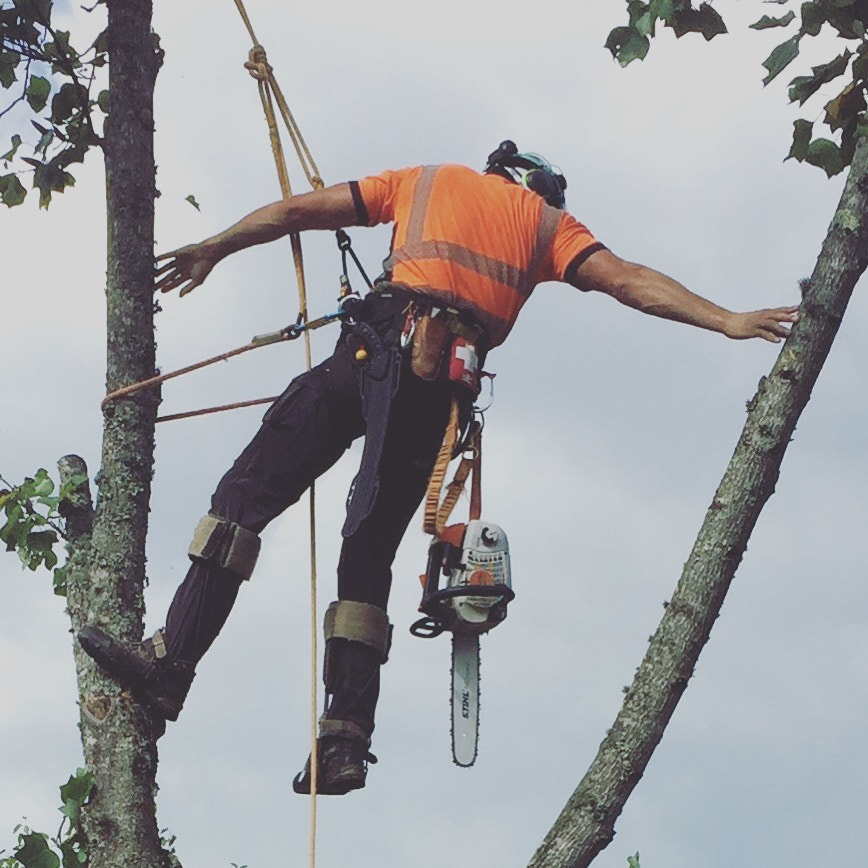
(608, 435)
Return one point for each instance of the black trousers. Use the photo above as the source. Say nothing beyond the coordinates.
(302, 435)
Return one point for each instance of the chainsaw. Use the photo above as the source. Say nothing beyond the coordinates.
(474, 560)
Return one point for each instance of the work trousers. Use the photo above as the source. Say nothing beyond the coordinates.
(302, 435)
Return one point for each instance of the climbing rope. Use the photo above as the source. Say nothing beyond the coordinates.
(269, 93)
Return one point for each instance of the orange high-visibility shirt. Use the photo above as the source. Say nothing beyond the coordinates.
(474, 242)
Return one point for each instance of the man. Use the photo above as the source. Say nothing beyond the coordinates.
(467, 251)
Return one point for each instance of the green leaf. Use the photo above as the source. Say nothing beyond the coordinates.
(73, 856)
(627, 45)
(826, 155)
(767, 21)
(848, 23)
(60, 580)
(846, 107)
(813, 18)
(662, 9)
(805, 86)
(645, 24)
(38, 90)
(103, 101)
(192, 200)
(43, 10)
(64, 103)
(705, 20)
(16, 144)
(636, 9)
(12, 191)
(9, 60)
(78, 788)
(802, 131)
(43, 485)
(35, 853)
(781, 57)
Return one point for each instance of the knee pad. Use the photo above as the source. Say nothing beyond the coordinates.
(350, 621)
(226, 544)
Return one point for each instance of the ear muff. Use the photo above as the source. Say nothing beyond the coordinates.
(546, 184)
(533, 172)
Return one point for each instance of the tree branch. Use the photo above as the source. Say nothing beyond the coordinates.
(586, 824)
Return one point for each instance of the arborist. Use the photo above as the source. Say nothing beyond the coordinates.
(468, 248)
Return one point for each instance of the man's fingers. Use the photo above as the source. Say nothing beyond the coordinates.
(166, 281)
(164, 268)
(169, 255)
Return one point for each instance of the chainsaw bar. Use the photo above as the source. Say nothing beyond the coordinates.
(465, 697)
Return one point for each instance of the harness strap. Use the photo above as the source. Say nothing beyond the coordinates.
(380, 374)
(436, 513)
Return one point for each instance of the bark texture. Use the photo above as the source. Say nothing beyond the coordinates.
(107, 582)
(586, 824)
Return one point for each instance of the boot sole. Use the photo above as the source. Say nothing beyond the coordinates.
(339, 786)
(115, 660)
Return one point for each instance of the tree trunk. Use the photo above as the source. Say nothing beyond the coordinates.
(119, 745)
(586, 824)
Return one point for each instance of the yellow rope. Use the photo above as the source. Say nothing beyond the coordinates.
(269, 93)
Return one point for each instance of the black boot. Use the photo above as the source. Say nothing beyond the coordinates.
(155, 678)
(357, 643)
(342, 761)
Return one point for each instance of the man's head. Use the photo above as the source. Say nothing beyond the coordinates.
(530, 170)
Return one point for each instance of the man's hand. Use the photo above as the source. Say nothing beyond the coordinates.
(186, 268)
(654, 293)
(328, 208)
(771, 324)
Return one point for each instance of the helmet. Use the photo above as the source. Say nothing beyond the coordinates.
(532, 171)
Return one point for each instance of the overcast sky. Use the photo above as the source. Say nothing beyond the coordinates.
(608, 435)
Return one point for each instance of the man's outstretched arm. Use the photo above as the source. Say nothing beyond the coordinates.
(654, 293)
(187, 267)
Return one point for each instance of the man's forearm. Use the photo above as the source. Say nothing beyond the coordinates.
(654, 293)
(331, 208)
(651, 292)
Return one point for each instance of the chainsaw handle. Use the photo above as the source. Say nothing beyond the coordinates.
(426, 628)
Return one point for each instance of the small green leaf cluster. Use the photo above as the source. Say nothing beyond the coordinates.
(632, 41)
(845, 114)
(33, 522)
(633, 861)
(41, 68)
(67, 848)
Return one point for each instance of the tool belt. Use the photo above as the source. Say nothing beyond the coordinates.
(445, 343)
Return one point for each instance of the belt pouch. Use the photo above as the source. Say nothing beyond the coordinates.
(431, 341)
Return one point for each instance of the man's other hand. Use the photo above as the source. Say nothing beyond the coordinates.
(772, 324)
(186, 268)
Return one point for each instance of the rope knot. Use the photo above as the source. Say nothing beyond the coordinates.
(317, 183)
(257, 63)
